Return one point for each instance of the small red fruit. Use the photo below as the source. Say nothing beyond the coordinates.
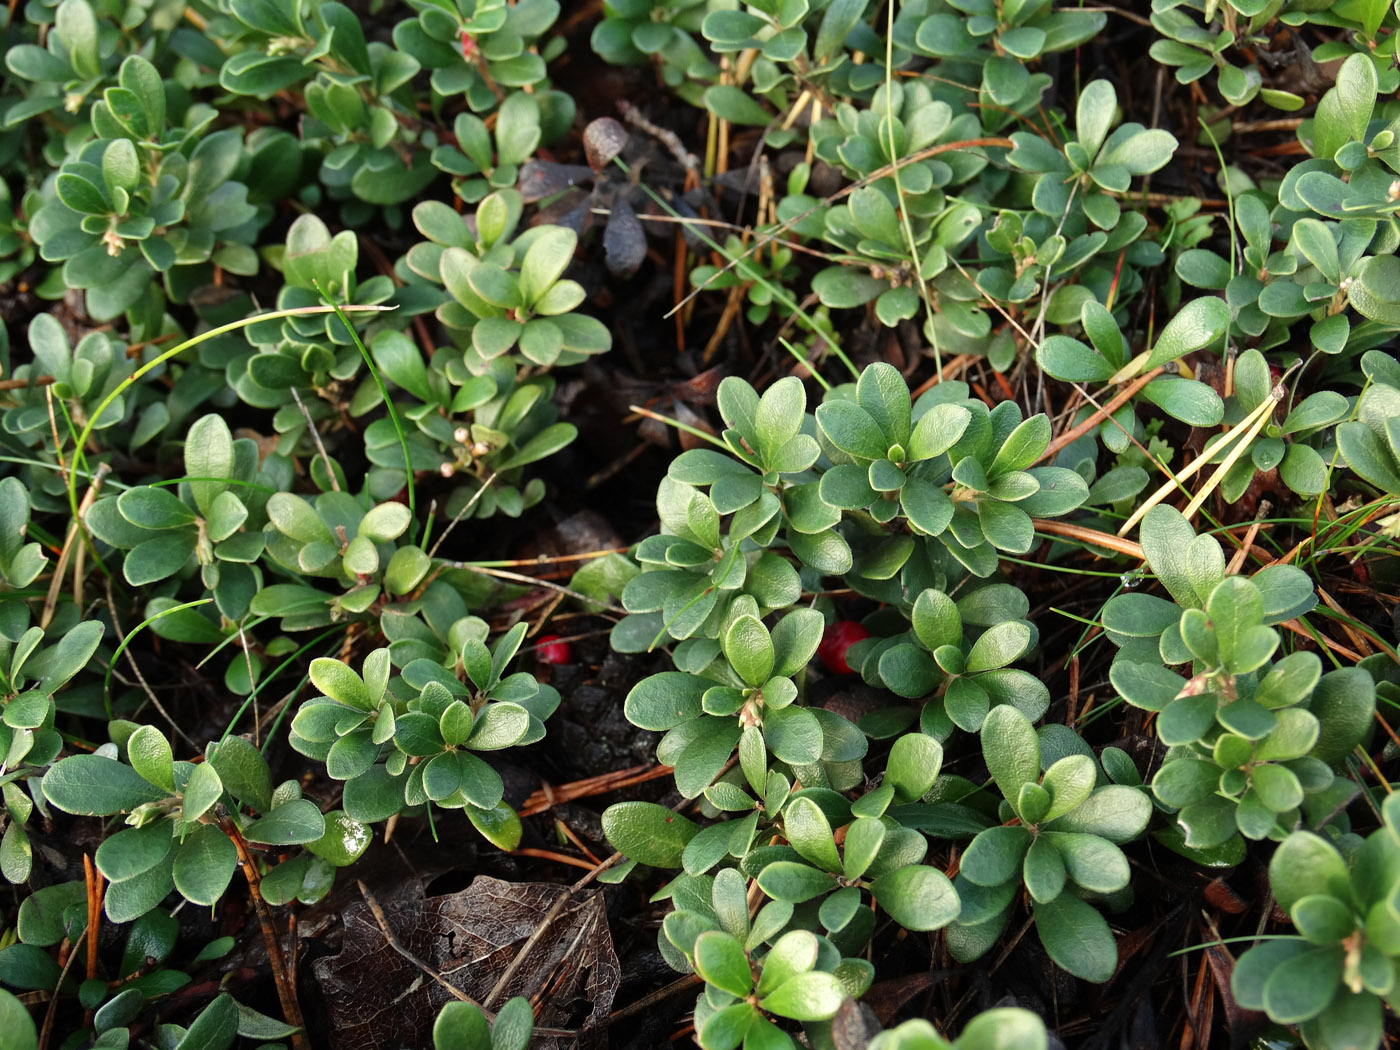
(550, 649)
(837, 638)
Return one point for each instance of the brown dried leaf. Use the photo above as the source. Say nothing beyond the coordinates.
(379, 1000)
(544, 178)
(603, 140)
(624, 240)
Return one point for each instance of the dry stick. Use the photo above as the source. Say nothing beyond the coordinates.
(136, 670)
(1263, 413)
(518, 577)
(660, 995)
(555, 910)
(1238, 560)
(1357, 639)
(539, 801)
(316, 437)
(1107, 540)
(46, 1032)
(1212, 448)
(382, 921)
(557, 858)
(56, 582)
(466, 509)
(93, 882)
(879, 173)
(1297, 628)
(1119, 399)
(286, 989)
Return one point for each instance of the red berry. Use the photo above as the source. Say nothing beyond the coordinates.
(551, 650)
(837, 638)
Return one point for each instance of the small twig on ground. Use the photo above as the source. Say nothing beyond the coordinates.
(286, 987)
(141, 678)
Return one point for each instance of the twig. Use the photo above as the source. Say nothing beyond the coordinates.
(92, 880)
(518, 577)
(56, 582)
(382, 921)
(466, 509)
(996, 142)
(555, 910)
(46, 1032)
(1107, 540)
(136, 670)
(660, 995)
(666, 137)
(286, 989)
(1240, 555)
(1119, 399)
(316, 437)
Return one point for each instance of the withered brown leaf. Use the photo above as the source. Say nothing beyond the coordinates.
(377, 998)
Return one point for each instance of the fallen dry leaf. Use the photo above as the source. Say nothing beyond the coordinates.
(377, 998)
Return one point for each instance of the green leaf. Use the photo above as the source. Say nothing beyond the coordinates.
(290, 824)
(384, 523)
(1140, 152)
(1375, 293)
(1323, 919)
(913, 765)
(839, 18)
(1307, 865)
(793, 882)
(1197, 324)
(1355, 92)
(749, 648)
(1077, 938)
(851, 429)
(1044, 872)
(917, 897)
(735, 105)
(134, 851)
(809, 832)
(344, 841)
(1115, 812)
(998, 646)
(1002, 1028)
(545, 261)
(1010, 749)
(1092, 862)
(1022, 447)
(721, 960)
(1069, 782)
(995, 855)
(16, 1023)
(938, 430)
(1072, 361)
(150, 755)
(341, 683)
(90, 785)
(157, 558)
(461, 1026)
(204, 864)
(1098, 104)
(811, 996)
(648, 833)
(243, 771)
(295, 518)
(202, 791)
(793, 735)
(1301, 987)
(664, 701)
(153, 508)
